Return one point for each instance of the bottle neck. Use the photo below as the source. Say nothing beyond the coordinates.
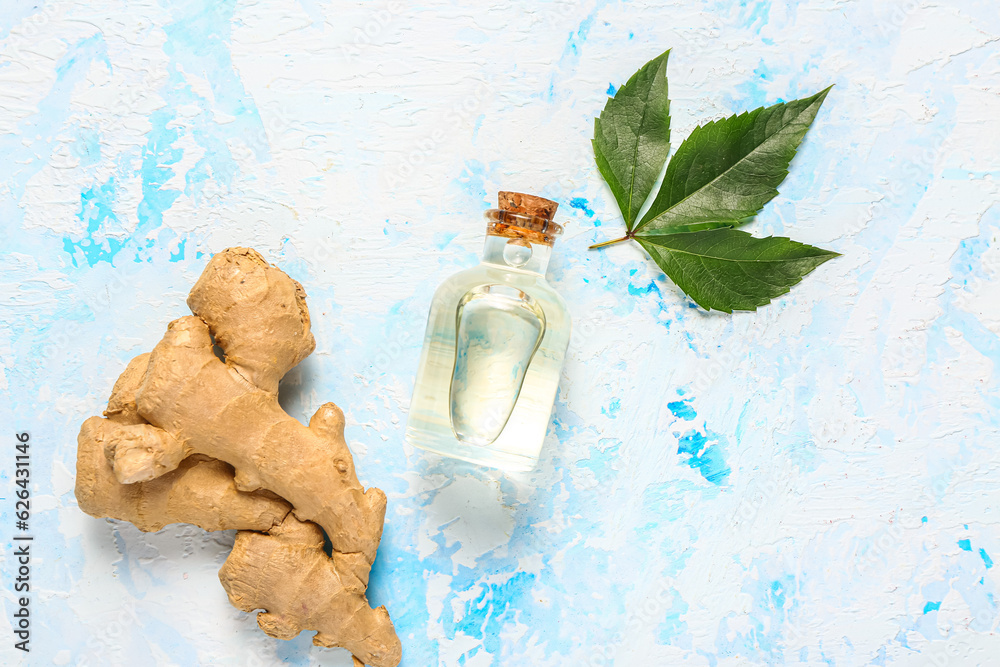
(516, 255)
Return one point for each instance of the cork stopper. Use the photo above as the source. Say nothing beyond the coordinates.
(518, 202)
(527, 218)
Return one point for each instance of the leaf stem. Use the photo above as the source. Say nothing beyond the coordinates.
(607, 243)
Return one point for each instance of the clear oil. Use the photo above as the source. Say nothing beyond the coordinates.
(498, 329)
(493, 353)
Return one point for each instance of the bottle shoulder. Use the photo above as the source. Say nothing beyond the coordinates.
(457, 284)
(456, 281)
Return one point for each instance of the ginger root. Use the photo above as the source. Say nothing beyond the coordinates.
(201, 491)
(199, 404)
(281, 570)
(191, 437)
(205, 406)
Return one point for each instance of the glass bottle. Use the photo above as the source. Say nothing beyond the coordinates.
(495, 344)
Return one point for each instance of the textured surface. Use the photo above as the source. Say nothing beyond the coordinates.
(816, 483)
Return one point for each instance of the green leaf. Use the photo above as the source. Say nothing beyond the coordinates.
(724, 173)
(632, 137)
(726, 269)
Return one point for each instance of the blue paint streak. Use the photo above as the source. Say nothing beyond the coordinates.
(179, 255)
(197, 41)
(580, 36)
(27, 150)
(611, 90)
(651, 287)
(932, 606)
(762, 641)
(157, 158)
(758, 16)
(491, 608)
(706, 459)
(442, 239)
(986, 558)
(96, 209)
(778, 594)
(763, 72)
(682, 409)
(614, 407)
(692, 443)
(965, 545)
(581, 204)
(672, 627)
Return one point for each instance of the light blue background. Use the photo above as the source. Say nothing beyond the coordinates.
(816, 483)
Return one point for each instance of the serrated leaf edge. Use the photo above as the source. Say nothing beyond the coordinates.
(820, 97)
(825, 256)
(630, 223)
